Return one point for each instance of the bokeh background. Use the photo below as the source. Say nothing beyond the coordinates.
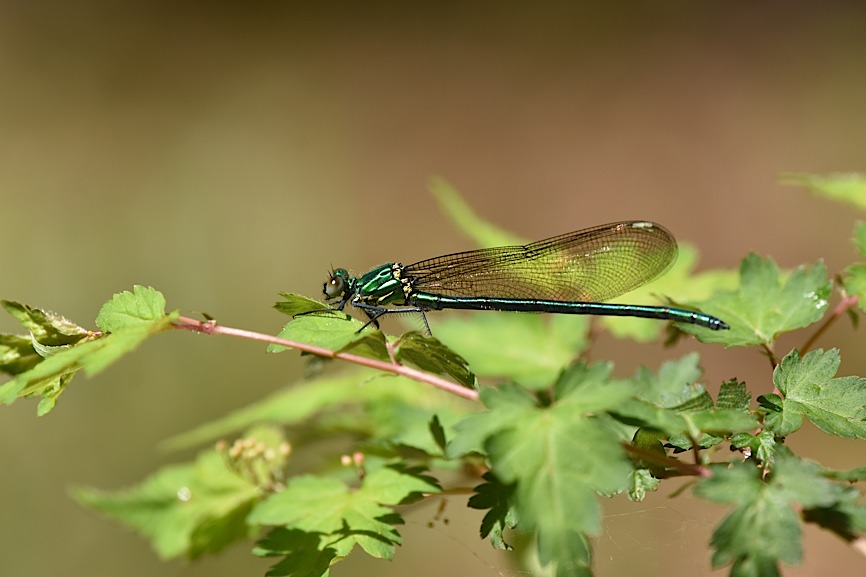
(222, 152)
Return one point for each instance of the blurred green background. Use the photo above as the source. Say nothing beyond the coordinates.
(222, 152)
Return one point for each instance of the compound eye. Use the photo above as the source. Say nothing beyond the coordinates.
(335, 286)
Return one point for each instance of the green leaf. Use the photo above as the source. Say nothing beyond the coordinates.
(834, 405)
(335, 331)
(671, 391)
(638, 413)
(648, 440)
(802, 482)
(67, 348)
(522, 347)
(593, 383)
(496, 498)
(641, 482)
(852, 475)
(437, 431)
(49, 334)
(187, 509)
(682, 443)
(397, 422)
(296, 304)
(48, 392)
(17, 354)
(721, 421)
(305, 554)
(682, 426)
(325, 505)
(335, 393)
(733, 395)
(431, 355)
(762, 445)
(46, 327)
(854, 281)
(674, 385)
(776, 419)
(506, 404)
(845, 516)
(558, 456)
(328, 507)
(144, 305)
(849, 188)
(49, 378)
(671, 401)
(398, 484)
(854, 278)
(764, 306)
(766, 509)
(482, 232)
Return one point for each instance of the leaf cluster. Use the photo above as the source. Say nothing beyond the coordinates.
(552, 436)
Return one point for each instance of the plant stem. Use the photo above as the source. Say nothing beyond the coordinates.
(771, 355)
(211, 328)
(684, 468)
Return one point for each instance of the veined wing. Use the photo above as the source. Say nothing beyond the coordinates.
(590, 265)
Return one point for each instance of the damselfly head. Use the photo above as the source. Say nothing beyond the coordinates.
(337, 283)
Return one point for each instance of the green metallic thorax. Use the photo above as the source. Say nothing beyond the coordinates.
(383, 286)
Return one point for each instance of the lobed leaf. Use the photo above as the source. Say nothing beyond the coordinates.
(837, 406)
(670, 401)
(335, 331)
(295, 304)
(304, 553)
(758, 510)
(558, 456)
(129, 309)
(188, 509)
(673, 385)
(733, 395)
(46, 327)
(431, 355)
(764, 306)
(341, 517)
(396, 422)
(765, 508)
(496, 497)
(846, 516)
(762, 445)
(50, 377)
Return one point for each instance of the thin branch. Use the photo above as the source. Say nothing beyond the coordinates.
(211, 328)
(768, 350)
(666, 461)
(846, 303)
(696, 450)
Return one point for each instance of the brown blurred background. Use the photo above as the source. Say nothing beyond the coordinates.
(222, 152)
